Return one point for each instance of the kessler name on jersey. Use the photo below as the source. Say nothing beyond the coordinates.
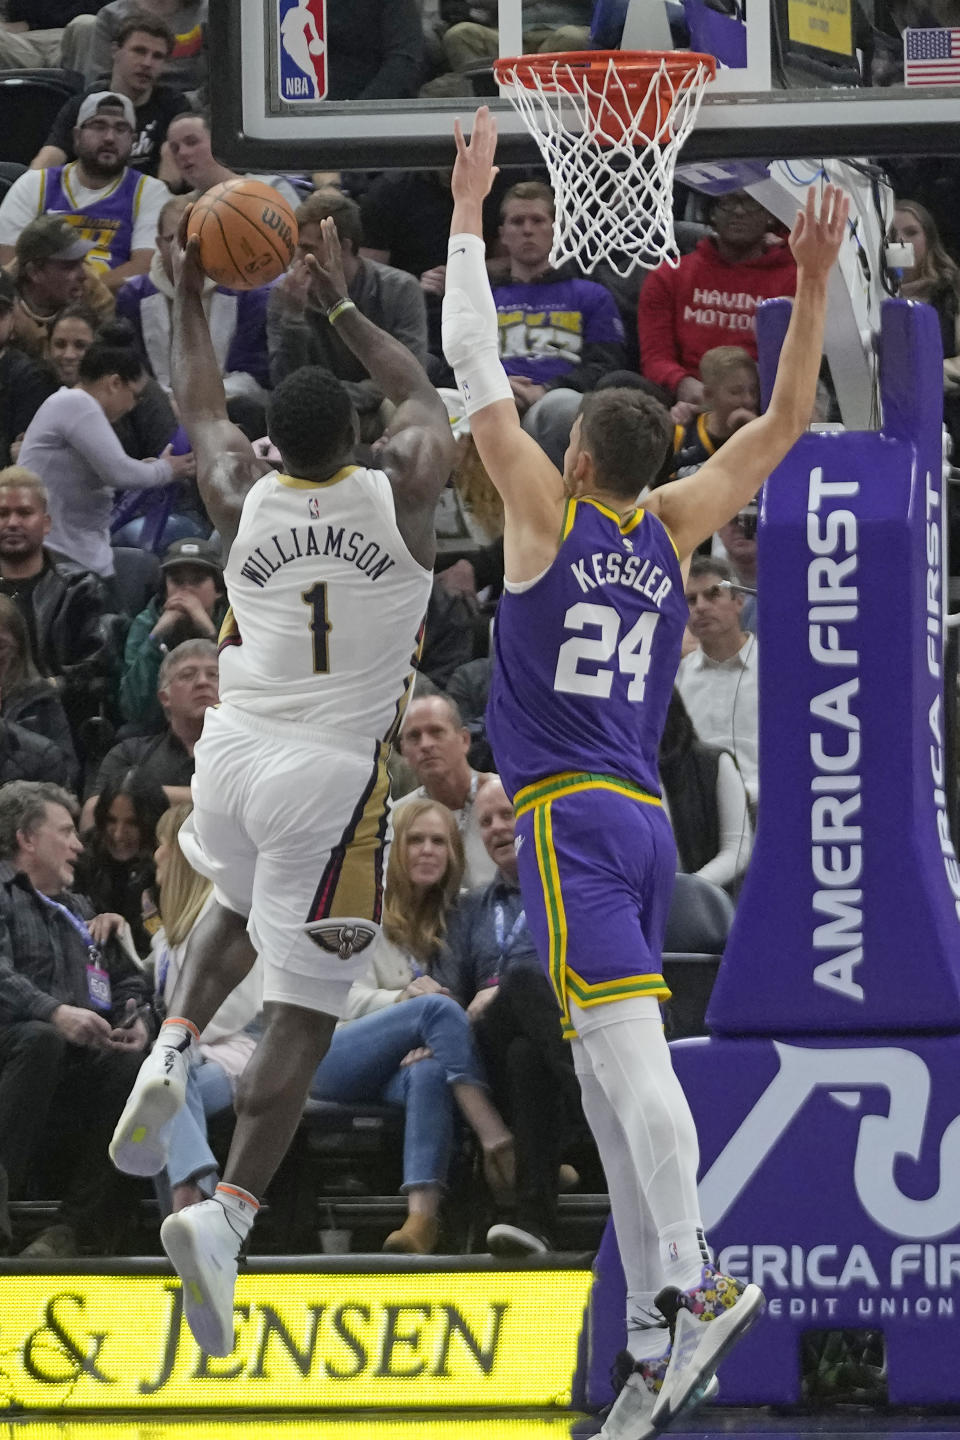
(301, 542)
(633, 571)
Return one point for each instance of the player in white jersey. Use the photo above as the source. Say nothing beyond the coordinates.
(328, 577)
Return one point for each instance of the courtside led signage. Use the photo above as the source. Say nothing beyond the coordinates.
(338, 1341)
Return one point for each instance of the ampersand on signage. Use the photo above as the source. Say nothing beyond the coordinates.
(40, 1356)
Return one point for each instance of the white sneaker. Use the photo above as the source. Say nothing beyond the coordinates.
(512, 1241)
(141, 1140)
(203, 1248)
(631, 1415)
(707, 1322)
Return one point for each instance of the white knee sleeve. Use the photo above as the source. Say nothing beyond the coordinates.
(636, 1233)
(631, 1061)
(469, 329)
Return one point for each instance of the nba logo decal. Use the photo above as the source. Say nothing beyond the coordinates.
(302, 49)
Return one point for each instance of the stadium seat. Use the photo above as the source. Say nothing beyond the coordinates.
(136, 578)
(344, 1160)
(697, 928)
(29, 102)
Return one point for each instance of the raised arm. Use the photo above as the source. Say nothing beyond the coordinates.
(416, 450)
(530, 485)
(694, 508)
(226, 463)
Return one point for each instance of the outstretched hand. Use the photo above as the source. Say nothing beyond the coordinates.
(474, 171)
(328, 284)
(188, 274)
(815, 239)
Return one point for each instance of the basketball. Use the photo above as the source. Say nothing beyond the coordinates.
(247, 233)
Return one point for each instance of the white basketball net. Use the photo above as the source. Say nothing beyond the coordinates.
(613, 183)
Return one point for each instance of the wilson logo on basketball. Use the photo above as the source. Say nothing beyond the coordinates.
(247, 233)
(275, 221)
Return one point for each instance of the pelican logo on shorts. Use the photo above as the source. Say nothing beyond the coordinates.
(344, 941)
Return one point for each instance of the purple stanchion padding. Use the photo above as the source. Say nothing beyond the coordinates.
(830, 1175)
(829, 1121)
(849, 920)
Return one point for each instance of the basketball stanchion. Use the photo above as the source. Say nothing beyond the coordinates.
(825, 1098)
(610, 125)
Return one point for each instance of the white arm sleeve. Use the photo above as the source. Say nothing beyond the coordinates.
(470, 329)
(736, 834)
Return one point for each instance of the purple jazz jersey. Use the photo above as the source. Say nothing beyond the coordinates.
(585, 662)
(586, 656)
(108, 222)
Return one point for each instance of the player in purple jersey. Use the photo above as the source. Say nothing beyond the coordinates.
(587, 644)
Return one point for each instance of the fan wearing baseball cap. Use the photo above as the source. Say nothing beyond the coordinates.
(23, 385)
(190, 605)
(50, 271)
(108, 203)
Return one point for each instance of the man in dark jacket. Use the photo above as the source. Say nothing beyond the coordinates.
(516, 1019)
(71, 1028)
(187, 686)
(25, 755)
(75, 639)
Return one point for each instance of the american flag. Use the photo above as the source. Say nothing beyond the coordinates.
(932, 57)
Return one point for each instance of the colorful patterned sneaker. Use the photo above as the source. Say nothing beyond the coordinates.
(141, 1140)
(706, 1322)
(631, 1415)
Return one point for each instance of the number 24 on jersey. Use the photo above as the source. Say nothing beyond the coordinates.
(631, 655)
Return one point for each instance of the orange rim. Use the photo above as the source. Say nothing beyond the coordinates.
(635, 68)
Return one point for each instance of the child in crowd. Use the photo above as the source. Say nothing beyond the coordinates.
(731, 398)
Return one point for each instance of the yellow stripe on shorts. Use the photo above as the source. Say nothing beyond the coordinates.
(553, 904)
(352, 883)
(572, 781)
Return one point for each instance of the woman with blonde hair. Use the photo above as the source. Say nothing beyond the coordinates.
(226, 1044)
(934, 277)
(405, 1040)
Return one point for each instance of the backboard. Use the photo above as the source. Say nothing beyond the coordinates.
(793, 88)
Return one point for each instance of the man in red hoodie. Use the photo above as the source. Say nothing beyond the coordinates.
(711, 298)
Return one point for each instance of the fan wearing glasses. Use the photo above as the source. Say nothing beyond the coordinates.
(711, 298)
(718, 681)
(114, 209)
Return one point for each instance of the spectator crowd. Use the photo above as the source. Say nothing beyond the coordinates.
(112, 598)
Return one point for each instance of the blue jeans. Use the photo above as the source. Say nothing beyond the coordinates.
(190, 1156)
(363, 1064)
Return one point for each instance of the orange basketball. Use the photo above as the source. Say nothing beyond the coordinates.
(247, 233)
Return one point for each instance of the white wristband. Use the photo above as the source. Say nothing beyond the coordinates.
(470, 327)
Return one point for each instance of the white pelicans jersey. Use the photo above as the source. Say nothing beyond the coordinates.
(326, 605)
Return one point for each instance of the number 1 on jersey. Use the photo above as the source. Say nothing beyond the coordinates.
(319, 627)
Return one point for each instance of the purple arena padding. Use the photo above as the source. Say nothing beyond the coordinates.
(830, 1142)
(853, 876)
(830, 1174)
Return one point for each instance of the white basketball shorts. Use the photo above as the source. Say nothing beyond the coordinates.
(292, 826)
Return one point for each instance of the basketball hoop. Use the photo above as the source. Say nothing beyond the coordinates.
(610, 124)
